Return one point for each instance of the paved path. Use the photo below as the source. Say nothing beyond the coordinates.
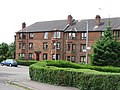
(20, 76)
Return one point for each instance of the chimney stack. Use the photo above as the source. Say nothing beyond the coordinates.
(70, 18)
(23, 25)
(97, 20)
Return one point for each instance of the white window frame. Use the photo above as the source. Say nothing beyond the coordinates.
(30, 55)
(56, 34)
(73, 47)
(58, 56)
(53, 56)
(83, 47)
(58, 45)
(22, 55)
(84, 34)
(30, 45)
(45, 45)
(83, 59)
(73, 58)
(69, 35)
(73, 35)
(46, 35)
(45, 55)
(31, 35)
(117, 33)
(23, 45)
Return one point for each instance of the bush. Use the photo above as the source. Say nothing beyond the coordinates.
(26, 62)
(62, 63)
(84, 79)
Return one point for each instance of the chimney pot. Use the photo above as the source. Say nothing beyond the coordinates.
(98, 19)
(23, 25)
(97, 16)
(70, 18)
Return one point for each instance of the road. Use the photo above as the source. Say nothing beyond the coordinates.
(20, 77)
(15, 74)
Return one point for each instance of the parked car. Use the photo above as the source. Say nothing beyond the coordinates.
(9, 62)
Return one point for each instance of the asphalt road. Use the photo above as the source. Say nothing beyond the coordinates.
(20, 76)
(15, 74)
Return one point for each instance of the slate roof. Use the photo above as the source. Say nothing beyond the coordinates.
(46, 26)
(78, 25)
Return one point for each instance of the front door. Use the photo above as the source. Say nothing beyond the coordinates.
(37, 56)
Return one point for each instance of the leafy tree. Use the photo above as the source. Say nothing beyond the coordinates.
(106, 51)
(7, 51)
(11, 51)
(3, 50)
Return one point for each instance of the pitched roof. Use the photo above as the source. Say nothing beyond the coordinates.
(82, 25)
(77, 26)
(46, 26)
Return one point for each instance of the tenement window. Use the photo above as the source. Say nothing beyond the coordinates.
(69, 47)
(68, 58)
(83, 47)
(30, 45)
(20, 45)
(82, 59)
(23, 45)
(83, 35)
(56, 34)
(31, 35)
(56, 45)
(55, 56)
(71, 35)
(44, 56)
(30, 56)
(117, 33)
(22, 36)
(46, 35)
(73, 47)
(45, 45)
(21, 55)
(73, 58)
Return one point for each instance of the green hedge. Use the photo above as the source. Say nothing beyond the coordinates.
(63, 64)
(84, 79)
(26, 62)
(67, 64)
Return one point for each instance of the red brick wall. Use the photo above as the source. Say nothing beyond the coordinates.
(38, 45)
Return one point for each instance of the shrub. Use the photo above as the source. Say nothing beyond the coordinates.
(63, 64)
(26, 62)
(84, 79)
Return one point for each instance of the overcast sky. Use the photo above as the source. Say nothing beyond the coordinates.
(14, 12)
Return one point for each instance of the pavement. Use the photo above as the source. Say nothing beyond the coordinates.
(33, 85)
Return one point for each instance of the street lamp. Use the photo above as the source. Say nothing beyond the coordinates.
(87, 42)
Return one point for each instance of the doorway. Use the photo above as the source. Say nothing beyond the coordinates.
(37, 56)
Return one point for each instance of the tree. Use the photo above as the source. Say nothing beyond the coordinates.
(3, 50)
(7, 51)
(11, 51)
(106, 51)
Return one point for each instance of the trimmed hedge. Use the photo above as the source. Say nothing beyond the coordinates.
(85, 79)
(63, 64)
(26, 62)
